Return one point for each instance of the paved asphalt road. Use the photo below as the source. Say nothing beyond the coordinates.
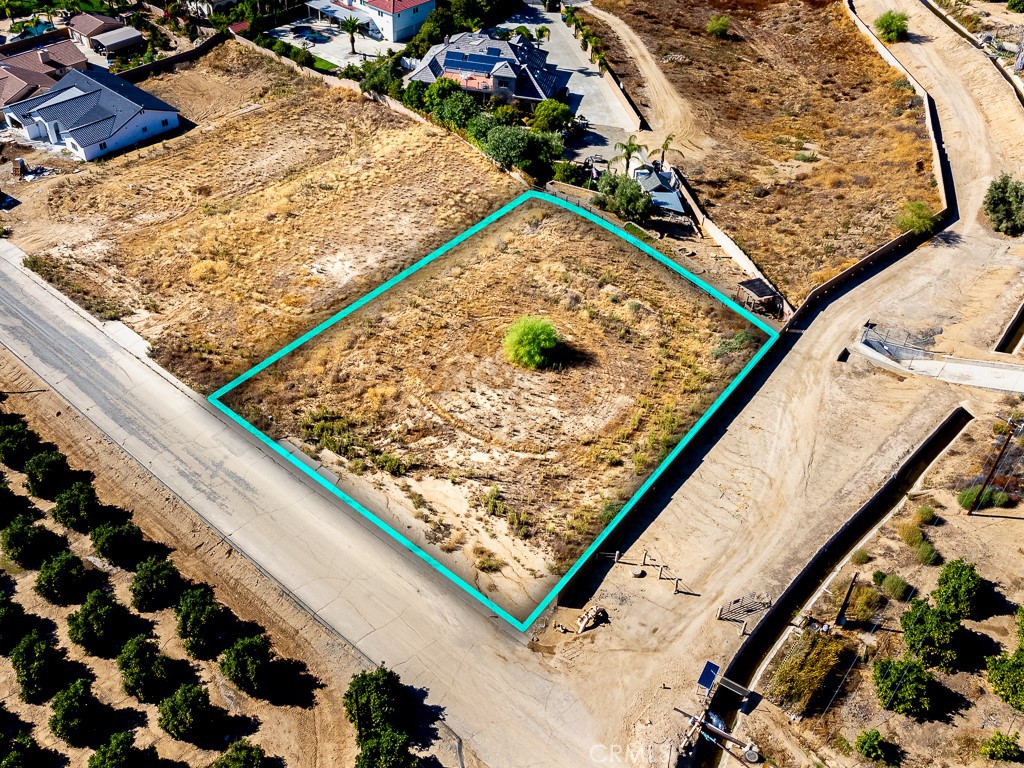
(492, 687)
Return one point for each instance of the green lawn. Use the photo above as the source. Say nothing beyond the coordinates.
(322, 65)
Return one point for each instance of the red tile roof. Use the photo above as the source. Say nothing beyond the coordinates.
(89, 24)
(394, 6)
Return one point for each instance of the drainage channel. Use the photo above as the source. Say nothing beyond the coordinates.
(1013, 335)
(762, 639)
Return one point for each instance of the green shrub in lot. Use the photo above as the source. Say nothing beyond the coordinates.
(185, 714)
(530, 342)
(1006, 676)
(924, 516)
(718, 27)
(1002, 746)
(17, 444)
(989, 498)
(895, 587)
(35, 660)
(119, 751)
(958, 588)
(244, 754)
(891, 26)
(101, 625)
(457, 110)
(246, 663)
(145, 671)
(930, 634)
(860, 557)
(927, 554)
(200, 621)
(119, 544)
(807, 665)
(1004, 201)
(75, 712)
(902, 686)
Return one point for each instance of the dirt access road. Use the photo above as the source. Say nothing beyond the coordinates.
(807, 449)
(670, 113)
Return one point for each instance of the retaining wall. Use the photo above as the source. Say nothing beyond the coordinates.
(140, 73)
(638, 122)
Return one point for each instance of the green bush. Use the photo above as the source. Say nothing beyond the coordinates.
(457, 110)
(118, 544)
(246, 663)
(281, 48)
(438, 91)
(479, 126)
(864, 603)
(47, 474)
(958, 588)
(388, 746)
(200, 621)
(924, 516)
(718, 27)
(860, 557)
(915, 217)
(185, 714)
(61, 579)
(100, 626)
(902, 686)
(870, 745)
(910, 534)
(301, 56)
(508, 145)
(375, 700)
(75, 712)
(878, 577)
(895, 587)
(990, 498)
(145, 671)
(23, 752)
(12, 623)
(1006, 676)
(24, 542)
(551, 115)
(35, 660)
(568, 172)
(927, 554)
(120, 751)
(623, 196)
(929, 633)
(77, 507)
(155, 585)
(530, 342)
(412, 97)
(243, 754)
(1004, 201)
(17, 444)
(1017, 6)
(1001, 746)
(891, 26)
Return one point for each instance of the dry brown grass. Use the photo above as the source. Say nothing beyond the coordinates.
(416, 381)
(796, 77)
(231, 240)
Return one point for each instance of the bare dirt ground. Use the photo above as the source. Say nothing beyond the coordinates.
(801, 140)
(221, 245)
(314, 735)
(966, 709)
(509, 472)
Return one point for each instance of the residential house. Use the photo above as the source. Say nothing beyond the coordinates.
(662, 187)
(92, 113)
(509, 69)
(390, 20)
(33, 72)
(86, 26)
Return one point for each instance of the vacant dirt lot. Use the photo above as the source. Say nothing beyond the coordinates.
(966, 711)
(816, 144)
(510, 471)
(221, 245)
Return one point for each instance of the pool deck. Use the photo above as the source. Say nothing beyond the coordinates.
(337, 49)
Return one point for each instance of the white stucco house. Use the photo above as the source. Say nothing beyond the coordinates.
(391, 20)
(91, 113)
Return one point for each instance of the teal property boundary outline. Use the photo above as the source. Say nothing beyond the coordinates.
(521, 625)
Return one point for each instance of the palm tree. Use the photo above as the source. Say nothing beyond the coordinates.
(666, 145)
(351, 24)
(570, 17)
(628, 150)
(543, 33)
(48, 10)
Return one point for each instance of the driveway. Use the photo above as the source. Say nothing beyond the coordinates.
(589, 93)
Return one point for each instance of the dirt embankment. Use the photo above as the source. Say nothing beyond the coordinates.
(221, 245)
(527, 465)
(818, 143)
